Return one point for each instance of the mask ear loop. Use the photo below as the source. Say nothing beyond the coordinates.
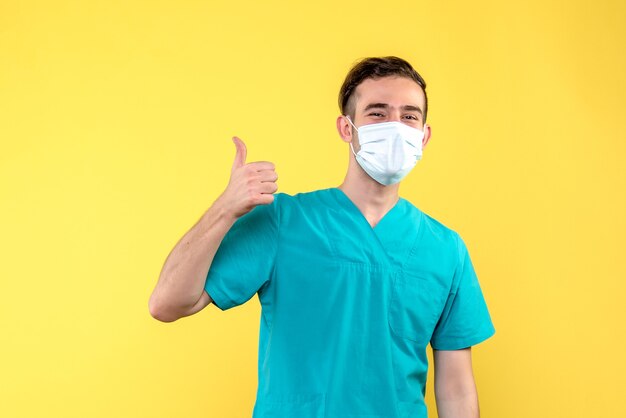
(357, 130)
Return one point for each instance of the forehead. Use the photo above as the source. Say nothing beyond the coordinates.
(395, 91)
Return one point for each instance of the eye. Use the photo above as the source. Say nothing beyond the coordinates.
(412, 117)
(375, 114)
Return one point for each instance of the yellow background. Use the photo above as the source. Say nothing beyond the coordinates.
(115, 127)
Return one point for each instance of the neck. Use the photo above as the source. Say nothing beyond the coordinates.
(373, 199)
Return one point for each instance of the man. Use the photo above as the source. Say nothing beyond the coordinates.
(354, 282)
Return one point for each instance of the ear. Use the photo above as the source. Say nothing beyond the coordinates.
(344, 128)
(427, 133)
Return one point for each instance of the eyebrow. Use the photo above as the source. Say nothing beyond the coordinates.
(411, 108)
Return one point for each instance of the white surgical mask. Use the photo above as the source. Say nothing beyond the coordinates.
(389, 150)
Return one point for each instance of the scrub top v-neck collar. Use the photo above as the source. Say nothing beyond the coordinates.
(395, 233)
(350, 205)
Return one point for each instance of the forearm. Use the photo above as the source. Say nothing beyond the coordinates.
(455, 389)
(464, 405)
(184, 272)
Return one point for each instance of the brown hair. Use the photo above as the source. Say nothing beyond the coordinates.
(376, 67)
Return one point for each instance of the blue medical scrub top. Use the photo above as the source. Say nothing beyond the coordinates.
(348, 310)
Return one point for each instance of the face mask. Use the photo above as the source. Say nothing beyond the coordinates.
(389, 150)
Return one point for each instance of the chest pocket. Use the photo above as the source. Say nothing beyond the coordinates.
(416, 304)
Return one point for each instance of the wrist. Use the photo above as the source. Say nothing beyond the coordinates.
(222, 212)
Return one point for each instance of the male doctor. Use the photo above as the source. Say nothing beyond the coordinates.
(354, 281)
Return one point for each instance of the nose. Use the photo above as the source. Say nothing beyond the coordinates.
(394, 116)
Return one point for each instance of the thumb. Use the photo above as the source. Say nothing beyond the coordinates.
(240, 155)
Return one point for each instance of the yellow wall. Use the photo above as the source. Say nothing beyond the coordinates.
(115, 126)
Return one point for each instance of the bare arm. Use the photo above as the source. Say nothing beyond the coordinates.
(180, 289)
(455, 389)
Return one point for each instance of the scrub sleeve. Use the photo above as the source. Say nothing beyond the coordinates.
(465, 320)
(245, 259)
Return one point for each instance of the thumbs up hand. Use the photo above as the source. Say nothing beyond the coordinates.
(250, 184)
